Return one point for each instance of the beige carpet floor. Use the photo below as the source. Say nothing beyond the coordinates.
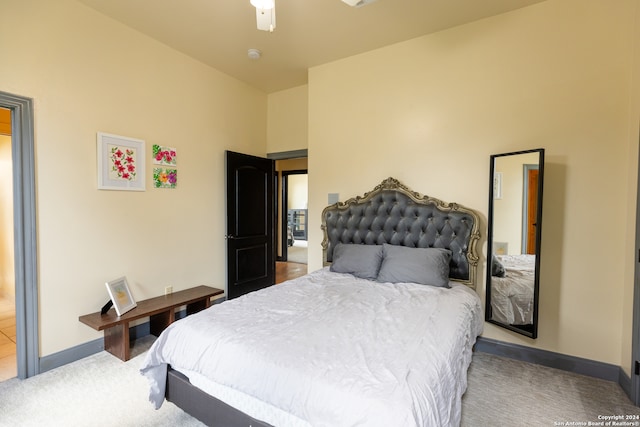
(100, 390)
(97, 391)
(506, 392)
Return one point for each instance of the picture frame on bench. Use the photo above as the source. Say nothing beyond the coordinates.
(121, 295)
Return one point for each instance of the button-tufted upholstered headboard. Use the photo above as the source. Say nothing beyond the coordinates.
(391, 213)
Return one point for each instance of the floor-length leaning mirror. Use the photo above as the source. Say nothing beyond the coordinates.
(515, 228)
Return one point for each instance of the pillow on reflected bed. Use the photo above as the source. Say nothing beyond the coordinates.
(497, 269)
(426, 266)
(362, 261)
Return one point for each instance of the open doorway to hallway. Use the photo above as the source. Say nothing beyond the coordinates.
(8, 363)
(292, 218)
(296, 199)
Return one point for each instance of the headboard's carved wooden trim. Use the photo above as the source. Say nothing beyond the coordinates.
(392, 184)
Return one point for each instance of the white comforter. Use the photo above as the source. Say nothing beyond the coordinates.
(512, 295)
(333, 350)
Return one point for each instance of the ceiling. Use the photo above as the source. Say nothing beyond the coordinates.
(308, 32)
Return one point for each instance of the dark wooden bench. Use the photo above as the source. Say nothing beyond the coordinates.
(159, 310)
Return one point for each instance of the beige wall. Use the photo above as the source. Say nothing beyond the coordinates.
(430, 111)
(88, 73)
(7, 273)
(298, 191)
(287, 123)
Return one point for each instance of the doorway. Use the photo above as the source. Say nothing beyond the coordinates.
(530, 208)
(24, 236)
(633, 387)
(295, 209)
(8, 364)
(291, 208)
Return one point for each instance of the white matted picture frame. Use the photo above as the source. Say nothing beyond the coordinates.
(497, 185)
(121, 295)
(121, 163)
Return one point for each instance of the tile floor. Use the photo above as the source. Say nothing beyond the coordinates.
(8, 367)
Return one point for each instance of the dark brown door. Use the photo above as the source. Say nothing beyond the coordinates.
(250, 223)
(532, 209)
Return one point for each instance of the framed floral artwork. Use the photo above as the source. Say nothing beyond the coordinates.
(165, 178)
(164, 155)
(120, 163)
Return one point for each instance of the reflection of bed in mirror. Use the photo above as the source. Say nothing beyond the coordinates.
(512, 286)
(383, 336)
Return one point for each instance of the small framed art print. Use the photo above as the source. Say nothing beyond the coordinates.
(497, 185)
(121, 295)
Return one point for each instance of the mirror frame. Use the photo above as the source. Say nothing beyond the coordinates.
(538, 237)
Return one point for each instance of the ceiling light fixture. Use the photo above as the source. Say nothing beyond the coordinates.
(265, 14)
(254, 53)
(357, 3)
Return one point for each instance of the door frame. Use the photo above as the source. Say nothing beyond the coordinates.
(25, 234)
(284, 215)
(527, 168)
(634, 387)
(283, 155)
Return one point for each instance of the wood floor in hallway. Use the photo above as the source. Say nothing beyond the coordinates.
(289, 270)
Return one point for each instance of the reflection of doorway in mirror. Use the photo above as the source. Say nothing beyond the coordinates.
(510, 212)
(531, 208)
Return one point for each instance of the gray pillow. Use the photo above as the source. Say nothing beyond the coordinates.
(360, 260)
(426, 266)
(497, 269)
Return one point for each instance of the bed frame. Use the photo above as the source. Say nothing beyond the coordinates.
(390, 213)
(203, 406)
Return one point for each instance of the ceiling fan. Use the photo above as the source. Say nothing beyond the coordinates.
(266, 12)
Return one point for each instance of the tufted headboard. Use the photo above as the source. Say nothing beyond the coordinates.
(392, 213)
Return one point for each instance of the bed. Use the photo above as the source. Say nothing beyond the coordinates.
(380, 336)
(512, 289)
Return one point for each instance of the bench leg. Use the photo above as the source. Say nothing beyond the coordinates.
(116, 341)
(159, 322)
(197, 306)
